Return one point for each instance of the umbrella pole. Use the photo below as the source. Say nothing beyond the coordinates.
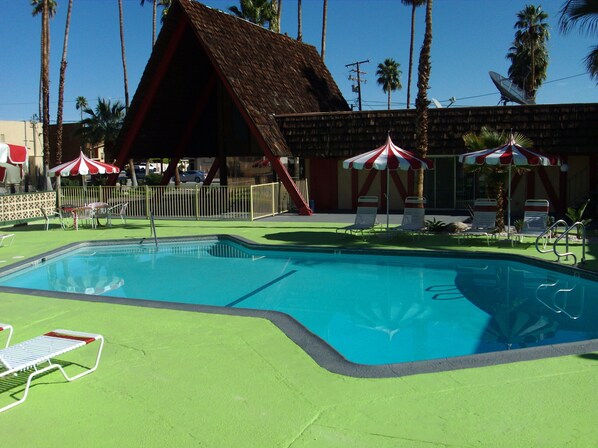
(387, 199)
(509, 205)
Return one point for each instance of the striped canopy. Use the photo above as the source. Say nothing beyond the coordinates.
(509, 154)
(12, 160)
(83, 165)
(389, 156)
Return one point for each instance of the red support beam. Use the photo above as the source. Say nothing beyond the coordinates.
(553, 197)
(399, 184)
(354, 187)
(368, 183)
(212, 173)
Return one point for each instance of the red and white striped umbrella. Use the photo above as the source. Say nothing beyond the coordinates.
(388, 157)
(509, 155)
(12, 160)
(83, 165)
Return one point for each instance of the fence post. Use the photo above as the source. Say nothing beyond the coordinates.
(147, 201)
(273, 199)
(197, 213)
(251, 217)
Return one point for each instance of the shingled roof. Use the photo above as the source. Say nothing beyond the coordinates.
(258, 74)
(554, 128)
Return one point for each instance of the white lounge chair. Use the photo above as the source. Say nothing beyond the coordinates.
(414, 215)
(535, 220)
(484, 220)
(365, 217)
(31, 354)
(6, 238)
(6, 327)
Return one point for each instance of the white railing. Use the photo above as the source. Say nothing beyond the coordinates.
(242, 202)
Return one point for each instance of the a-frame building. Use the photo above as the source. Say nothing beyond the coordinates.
(212, 88)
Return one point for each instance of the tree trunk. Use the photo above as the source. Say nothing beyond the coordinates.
(154, 8)
(421, 102)
(324, 17)
(46, 89)
(61, 86)
(299, 21)
(122, 49)
(413, 8)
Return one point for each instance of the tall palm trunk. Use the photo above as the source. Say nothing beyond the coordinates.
(324, 18)
(421, 102)
(122, 50)
(124, 61)
(46, 89)
(299, 21)
(61, 86)
(154, 12)
(413, 8)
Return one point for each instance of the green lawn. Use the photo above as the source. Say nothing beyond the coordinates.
(176, 379)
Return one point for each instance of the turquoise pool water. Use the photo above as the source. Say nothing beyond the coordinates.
(372, 309)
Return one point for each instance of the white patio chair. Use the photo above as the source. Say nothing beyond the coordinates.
(414, 215)
(535, 220)
(50, 215)
(33, 353)
(119, 210)
(484, 220)
(365, 217)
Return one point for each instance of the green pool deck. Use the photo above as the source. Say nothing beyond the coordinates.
(183, 379)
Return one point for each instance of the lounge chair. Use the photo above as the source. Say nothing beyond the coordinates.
(31, 354)
(484, 220)
(6, 327)
(365, 217)
(6, 237)
(414, 215)
(535, 220)
(120, 210)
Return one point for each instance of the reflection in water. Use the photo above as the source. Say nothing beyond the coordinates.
(529, 307)
(85, 274)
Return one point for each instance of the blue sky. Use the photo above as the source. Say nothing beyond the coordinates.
(471, 37)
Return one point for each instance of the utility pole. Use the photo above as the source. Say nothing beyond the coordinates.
(355, 75)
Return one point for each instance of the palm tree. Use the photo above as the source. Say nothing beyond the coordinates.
(260, 12)
(47, 8)
(421, 102)
(154, 10)
(414, 4)
(529, 53)
(126, 81)
(582, 13)
(59, 111)
(389, 77)
(103, 125)
(299, 21)
(496, 176)
(324, 19)
(81, 104)
(166, 4)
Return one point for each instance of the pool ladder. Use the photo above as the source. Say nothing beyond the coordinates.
(153, 228)
(568, 228)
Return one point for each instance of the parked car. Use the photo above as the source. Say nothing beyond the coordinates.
(192, 176)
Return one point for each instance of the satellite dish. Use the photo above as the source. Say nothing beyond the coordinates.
(510, 91)
(437, 103)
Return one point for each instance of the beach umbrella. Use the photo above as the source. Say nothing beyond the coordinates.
(12, 160)
(388, 157)
(509, 155)
(83, 165)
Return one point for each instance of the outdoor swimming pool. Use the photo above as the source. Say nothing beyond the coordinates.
(374, 309)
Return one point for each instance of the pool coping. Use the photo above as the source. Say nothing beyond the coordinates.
(319, 350)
